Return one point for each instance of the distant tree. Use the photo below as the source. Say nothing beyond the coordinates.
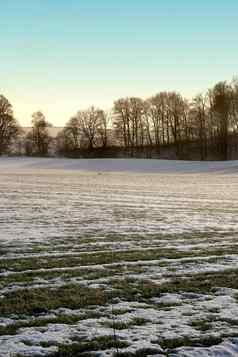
(221, 108)
(147, 124)
(121, 121)
(87, 129)
(199, 123)
(38, 139)
(73, 133)
(68, 140)
(129, 121)
(92, 123)
(158, 112)
(104, 119)
(234, 106)
(177, 110)
(9, 128)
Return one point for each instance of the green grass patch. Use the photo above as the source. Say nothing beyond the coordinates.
(12, 329)
(201, 325)
(36, 301)
(101, 343)
(206, 341)
(122, 325)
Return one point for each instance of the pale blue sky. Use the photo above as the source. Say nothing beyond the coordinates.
(64, 55)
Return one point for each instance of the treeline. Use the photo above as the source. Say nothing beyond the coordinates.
(209, 122)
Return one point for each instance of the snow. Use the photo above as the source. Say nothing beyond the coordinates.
(118, 165)
(68, 208)
(228, 348)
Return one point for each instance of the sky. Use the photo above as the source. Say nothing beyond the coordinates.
(61, 56)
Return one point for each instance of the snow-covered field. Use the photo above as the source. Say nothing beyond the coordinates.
(118, 257)
(119, 165)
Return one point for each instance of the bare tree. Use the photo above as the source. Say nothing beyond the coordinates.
(147, 124)
(234, 106)
(72, 134)
(158, 111)
(38, 139)
(9, 128)
(221, 106)
(129, 121)
(176, 114)
(199, 123)
(92, 121)
(122, 121)
(104, 119)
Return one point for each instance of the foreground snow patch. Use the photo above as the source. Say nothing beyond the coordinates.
(228, 348)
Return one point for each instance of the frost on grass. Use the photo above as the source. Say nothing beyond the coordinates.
(140, 259)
